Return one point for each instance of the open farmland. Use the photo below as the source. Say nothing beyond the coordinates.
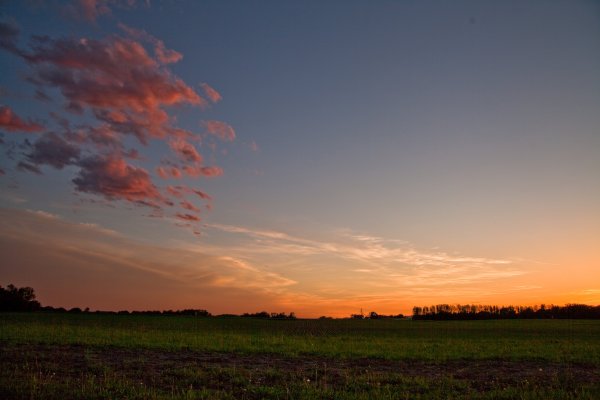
(126, 356)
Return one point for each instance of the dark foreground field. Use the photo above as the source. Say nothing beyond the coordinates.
(108, 356)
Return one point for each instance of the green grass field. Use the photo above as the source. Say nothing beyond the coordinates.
(127, 356)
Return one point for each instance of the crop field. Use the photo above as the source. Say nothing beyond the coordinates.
(133, 356)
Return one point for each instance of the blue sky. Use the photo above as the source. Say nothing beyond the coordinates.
(468, 129)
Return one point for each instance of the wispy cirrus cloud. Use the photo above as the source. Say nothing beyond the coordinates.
(70, 256)
(43, 214)
(590, 295)
(594, 292)
(351, 266)
(362, 248)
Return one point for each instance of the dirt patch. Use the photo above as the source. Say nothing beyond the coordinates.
(160, 368)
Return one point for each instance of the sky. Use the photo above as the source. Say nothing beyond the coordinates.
(314, 157)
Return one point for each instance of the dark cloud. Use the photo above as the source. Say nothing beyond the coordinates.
(187, 217)
(113, 178)
(51, 149)
(9, 35)
(26, 167)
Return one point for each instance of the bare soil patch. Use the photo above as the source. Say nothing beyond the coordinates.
(160, 368)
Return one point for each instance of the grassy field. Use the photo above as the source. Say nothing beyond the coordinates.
(127, 356)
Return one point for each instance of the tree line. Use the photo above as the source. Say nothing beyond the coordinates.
(18, 299)
(442, 312)
(23, 299)
(375, 315)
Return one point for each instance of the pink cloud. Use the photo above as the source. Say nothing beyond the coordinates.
(162, 54)
(202, 195)
(132, 154)
(212, 171)
(188, 217)
(166, 56)
(219, 129)
(116, 78)
(129, 90)
(185, 150)
(175, 191)
(118, 116)
(162, 172)
(168, 172)
(175, 172)
(196, 171)
(104, 137)
(189, 206)
(115, 73)
(180, 190)
(113, 178)
(13, 123)
(211, 93)
(143, 125)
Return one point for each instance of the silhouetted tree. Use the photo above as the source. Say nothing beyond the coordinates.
(18, 299)
(480, 312)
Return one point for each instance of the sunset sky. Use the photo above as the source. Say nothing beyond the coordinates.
(320, 157)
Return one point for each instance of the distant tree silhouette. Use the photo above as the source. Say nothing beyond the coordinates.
(18, 299)
(374, 315)
(441, 312)
(266, 315)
